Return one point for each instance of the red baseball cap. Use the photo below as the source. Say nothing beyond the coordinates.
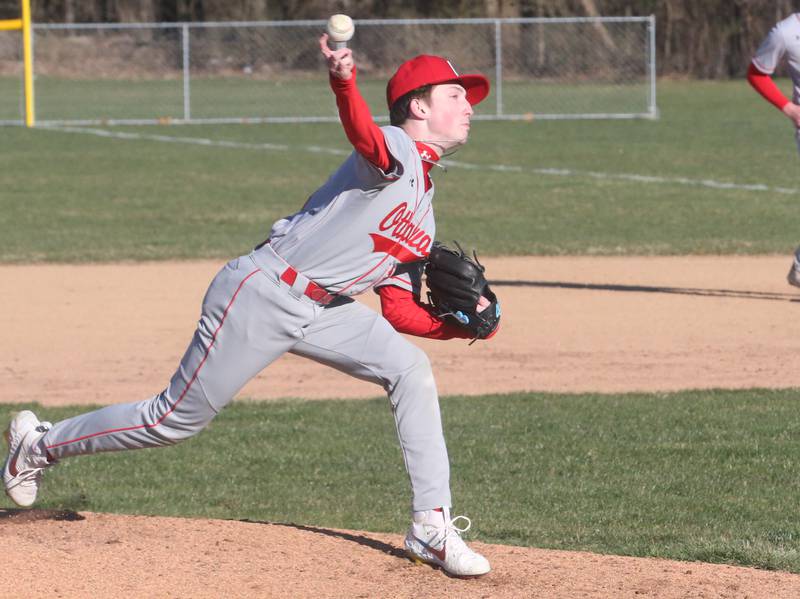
(430, 70)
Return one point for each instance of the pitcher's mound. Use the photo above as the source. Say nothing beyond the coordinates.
(64, 554)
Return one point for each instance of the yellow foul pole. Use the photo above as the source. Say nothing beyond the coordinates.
(27, 50)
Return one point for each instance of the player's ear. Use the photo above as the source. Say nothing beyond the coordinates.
(419, 109)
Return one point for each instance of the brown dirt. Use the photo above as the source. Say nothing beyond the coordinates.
(111, 333)
(55, 554)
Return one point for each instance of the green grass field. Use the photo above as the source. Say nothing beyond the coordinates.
(711, 476)
(73, 197)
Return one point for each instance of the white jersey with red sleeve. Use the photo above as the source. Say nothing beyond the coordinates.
(355, 230)
(782, 40)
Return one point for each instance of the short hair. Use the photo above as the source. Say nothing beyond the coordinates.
(399, 112)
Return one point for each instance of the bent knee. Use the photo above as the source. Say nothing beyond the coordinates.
(172, 433)
(172, 423)
(418, 362)
(416, 372)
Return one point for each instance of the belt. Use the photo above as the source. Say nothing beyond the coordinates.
(312, 290)
(266, 258)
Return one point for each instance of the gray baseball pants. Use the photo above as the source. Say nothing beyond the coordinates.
(250, 317)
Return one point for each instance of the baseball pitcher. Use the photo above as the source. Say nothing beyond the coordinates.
(782, 40)
(369, 226)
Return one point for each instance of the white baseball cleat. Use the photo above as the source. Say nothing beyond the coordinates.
(440, 544)
(23, 469)
(794, 273)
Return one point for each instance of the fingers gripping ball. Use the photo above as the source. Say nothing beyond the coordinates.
(459, 292)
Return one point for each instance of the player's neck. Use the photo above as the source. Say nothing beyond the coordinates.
(420, 132)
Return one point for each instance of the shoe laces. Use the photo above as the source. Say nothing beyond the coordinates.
(453, 529)
(450, 530)
(30, 477)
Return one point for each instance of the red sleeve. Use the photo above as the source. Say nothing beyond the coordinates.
(765, 86)
(407, 315)
(366, 137)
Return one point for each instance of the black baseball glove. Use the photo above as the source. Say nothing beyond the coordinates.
(456, 283)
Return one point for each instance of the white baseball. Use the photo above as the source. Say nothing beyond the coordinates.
(340, 28)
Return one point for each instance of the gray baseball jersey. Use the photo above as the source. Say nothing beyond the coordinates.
(361, 229)
(782, 40)
(355, 229)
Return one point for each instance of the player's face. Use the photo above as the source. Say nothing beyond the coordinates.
(450, 113)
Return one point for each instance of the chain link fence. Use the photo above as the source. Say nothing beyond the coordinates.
(12, 101)
(273, 72)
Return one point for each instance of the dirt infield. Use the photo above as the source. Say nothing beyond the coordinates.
(112, 333)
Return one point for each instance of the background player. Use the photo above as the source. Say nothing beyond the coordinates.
(782, 40)
(369, 226)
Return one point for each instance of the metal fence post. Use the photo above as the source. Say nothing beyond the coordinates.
(498, 66)
(651, 27)
(187, 102)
